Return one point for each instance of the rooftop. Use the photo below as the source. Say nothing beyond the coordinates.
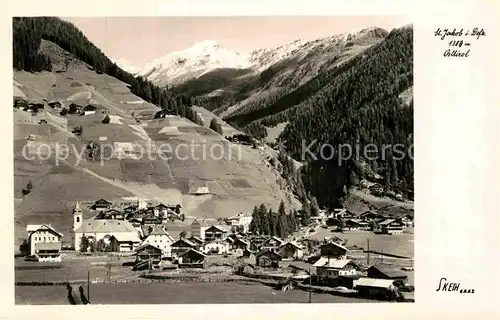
(371, 282)
(106, 226)
(332, 263)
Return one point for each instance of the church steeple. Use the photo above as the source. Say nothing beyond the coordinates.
(77, 216)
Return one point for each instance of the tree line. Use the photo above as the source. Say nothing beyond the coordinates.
(280, 224)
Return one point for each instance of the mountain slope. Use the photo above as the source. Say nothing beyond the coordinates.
(240, 179)
(360, 107)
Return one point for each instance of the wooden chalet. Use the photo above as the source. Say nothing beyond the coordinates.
(191, 259)
(272, 243)
(329, 267)
(101, 205)
(379, 272)
(267, 258)
(356, 224)
(88, 109)
(291, 250)
(215, 233)
(391, 226)
(333, 250)
(147, 257)
(151, 219)
(182, 245)
(54, 104)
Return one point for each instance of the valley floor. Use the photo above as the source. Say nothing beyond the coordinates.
(168, 293)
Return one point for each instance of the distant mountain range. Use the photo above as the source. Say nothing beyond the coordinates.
(203, 57)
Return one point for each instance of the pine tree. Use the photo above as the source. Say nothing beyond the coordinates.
(84, 244)
(215, 125)
(314, 207)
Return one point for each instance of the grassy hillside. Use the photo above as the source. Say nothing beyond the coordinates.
(239, 180)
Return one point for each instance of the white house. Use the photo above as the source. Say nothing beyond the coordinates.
(240, 220)
(95, 230)
(216, 247)
(159, 238)
(331, 267)
(291, 250)
(44, 242)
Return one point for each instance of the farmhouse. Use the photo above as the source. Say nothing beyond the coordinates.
(101, 205)
(343, 213)
(333, 250)
(272, 243)
(356, 224)
(54, 104)
(182, 245)
(328, 267)
(238, 243)
(376, 288)
(369, 215)
(75, 108)
(267, 258)
(147, 256)
(20, 102)
(215, 233)
(198, 227)
(291, 250)
(121, 242)
(391, 226)
(111, 214)
(379, 272)
(151, 219)
(44, 242)
(160, 239)
(89, 109)
(216, 247)
(191, 259)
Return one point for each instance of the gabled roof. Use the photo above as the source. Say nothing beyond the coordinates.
(386, 222)
(274, 238)
(336, 244)
(126, 237)
(144, 246)
(216, 227)
(239, 240)
(332, 263)
(158, 231)
(189, 243)
(267, 251)
(36, 227)
(374, 283)
(110, 226)
(192, 250)
(195, 239)
(292, 243)
(102, 202)
(389, 272)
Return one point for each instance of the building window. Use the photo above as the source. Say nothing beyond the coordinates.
(77, 219)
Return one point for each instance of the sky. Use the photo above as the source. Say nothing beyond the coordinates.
(139, 40)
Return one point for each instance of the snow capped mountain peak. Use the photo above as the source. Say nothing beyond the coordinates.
(208, 55)
(194, 61)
